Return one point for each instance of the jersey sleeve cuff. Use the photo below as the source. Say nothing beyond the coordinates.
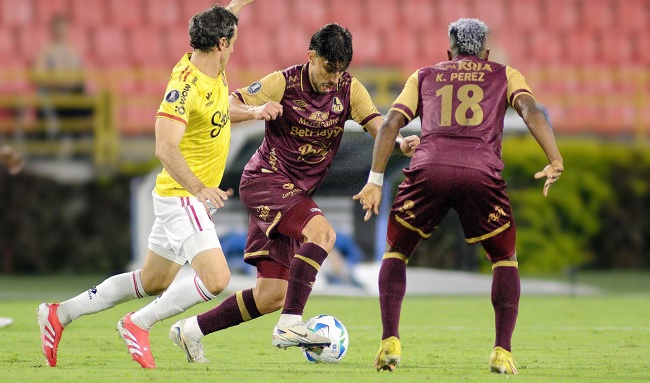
(171, 117)
(404, 110)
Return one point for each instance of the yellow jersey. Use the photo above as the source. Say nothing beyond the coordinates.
(201, 104)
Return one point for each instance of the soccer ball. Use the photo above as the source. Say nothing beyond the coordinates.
(332, 328)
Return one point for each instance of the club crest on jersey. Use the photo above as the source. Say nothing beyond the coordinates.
(254, 87)
(337, 106)
(172, 96)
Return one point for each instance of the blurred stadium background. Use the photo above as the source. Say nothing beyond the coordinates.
(76, 207)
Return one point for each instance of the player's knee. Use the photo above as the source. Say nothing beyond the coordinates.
(325, 238)
(154, 286)
(216, 282)
(270, 301)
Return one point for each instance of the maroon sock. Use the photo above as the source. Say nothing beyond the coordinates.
(392, 287)
(505, 299)
(302, 276)
(237, 308)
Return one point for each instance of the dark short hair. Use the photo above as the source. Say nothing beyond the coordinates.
(209, 26)
(334, 43)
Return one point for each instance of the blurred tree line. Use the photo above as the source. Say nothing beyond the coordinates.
(596, 216)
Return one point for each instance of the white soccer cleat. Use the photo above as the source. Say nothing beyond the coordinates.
(193, 348)
(298, 335)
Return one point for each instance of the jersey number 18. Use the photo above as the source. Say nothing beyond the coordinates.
(467, 103)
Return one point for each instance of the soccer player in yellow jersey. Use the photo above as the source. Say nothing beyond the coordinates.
(192, 139)
(461, 103)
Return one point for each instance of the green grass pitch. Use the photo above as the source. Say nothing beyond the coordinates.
(602, 338)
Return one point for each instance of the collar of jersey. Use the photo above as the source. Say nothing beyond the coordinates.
(198, 73)
(311, 88)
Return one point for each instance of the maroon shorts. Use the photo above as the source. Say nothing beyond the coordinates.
(277, 214)
(427, 194)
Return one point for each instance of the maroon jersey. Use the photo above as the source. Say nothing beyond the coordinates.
(461, 104)
(302, 143)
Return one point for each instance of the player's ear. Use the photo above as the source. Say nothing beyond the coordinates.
(223, 43)
(311, 56)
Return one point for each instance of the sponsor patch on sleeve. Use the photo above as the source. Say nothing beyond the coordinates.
(254, 87)
(172, 96)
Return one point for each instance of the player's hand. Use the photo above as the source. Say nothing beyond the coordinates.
(552, 173)
(409, 144)
(213, 198)
(236, 6)
(369, 197)
(269, 111)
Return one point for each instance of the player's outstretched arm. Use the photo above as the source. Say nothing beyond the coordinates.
(527, 108)
(370, 195)
(240, 112)
(236, 6)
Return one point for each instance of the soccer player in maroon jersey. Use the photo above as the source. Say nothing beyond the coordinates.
(461, 104)
(305, 107)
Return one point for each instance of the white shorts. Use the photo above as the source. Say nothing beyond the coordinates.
(182, 229)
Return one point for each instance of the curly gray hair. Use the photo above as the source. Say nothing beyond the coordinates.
(467, 36)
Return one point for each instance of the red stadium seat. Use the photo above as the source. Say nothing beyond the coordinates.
(492, 13)
(88, 13)
(433, 47)
(291, 45)
(401, 48)
(31, 41)
(367, 48)
(560, 15)
(596, 14)
(176, 43)
(162, 13)
(191, 7)
(310, 15)
(125, 13)
(417, 14)
(641, 51)
(7, 43)
(110, 48)
(145, 46)
(270, 14)
(631, 15)
(383, 15)
(580, 47)
(342, 13)
(255, 50)
(450, 11)
(47, 9)
(17, 13)
(616, 48)
(524, 15)
(545, 48)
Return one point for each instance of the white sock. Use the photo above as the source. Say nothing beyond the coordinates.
(287, 320)
(180, 296)
(113, 291)
(192, 329)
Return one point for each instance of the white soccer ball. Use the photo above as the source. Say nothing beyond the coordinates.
(332, 328)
